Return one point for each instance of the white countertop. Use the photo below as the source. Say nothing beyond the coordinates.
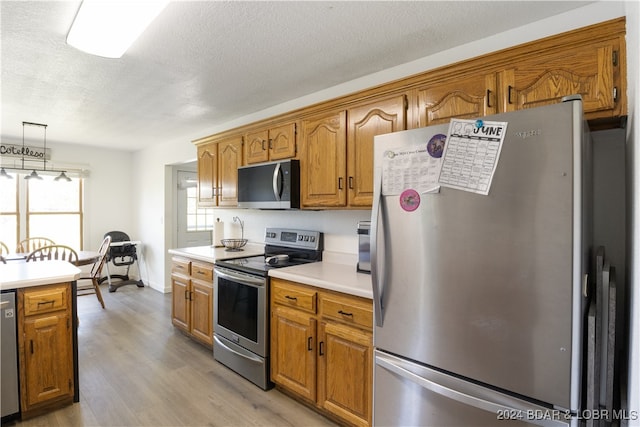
(328, 275)
(17, 274)
(211, 254)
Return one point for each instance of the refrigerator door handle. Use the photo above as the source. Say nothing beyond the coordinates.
(511, 407)
(378, 286)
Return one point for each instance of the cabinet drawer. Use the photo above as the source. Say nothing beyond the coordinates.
(45, 300)
(181, 266)
(202, 271)
(291, 295)
(344, 309)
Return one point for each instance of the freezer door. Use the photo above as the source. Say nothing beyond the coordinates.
(408, 394)
(488, 287)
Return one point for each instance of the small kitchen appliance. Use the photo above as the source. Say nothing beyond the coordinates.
(271, 185)
(364, 247)
(241, 296)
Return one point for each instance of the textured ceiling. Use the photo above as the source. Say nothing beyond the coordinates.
(203, 63)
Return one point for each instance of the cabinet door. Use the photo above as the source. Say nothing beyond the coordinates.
(590, 71)
(48, 356)
(293, 351)
(282, 142)
(345, 369)
(180, 306)
(201, 298)
(460, 97)
(365, 122)
(323, 166)
(207, 174)
(257, 146)
(230, 158)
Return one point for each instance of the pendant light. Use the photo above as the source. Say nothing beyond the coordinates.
(30, 153)
(4, 174)
(62, 177)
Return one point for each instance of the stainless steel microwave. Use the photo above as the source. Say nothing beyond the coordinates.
(273, 185)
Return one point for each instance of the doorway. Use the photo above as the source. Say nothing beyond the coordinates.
(194, 224)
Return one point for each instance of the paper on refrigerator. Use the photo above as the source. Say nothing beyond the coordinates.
(471, 154)
(415, 167)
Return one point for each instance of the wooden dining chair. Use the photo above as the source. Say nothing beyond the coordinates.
(32, 243)
(4, 249)
(96, 271)
(54, 252)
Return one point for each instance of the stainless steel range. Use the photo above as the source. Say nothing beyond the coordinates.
(241, 298)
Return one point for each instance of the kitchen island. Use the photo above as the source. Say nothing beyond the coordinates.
(47, 333)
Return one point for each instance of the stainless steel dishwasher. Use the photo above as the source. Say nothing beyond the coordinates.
(9, 400)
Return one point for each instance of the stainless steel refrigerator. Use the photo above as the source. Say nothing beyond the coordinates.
(480, 298)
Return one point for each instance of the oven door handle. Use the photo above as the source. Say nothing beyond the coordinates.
(245, 356)
(241, 278)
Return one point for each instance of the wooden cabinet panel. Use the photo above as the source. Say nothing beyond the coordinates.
(201, 299)
(459, 97)
(180, 306)
(192, 299)
(180, 266)
(39, 301)
(364, 122)
(207, 174)
(588, 70)
(202, 271)
(257, 146)
(48, 358)
(296, 296)
(325, 357)
(293, 355)
(282, 142)
(352, 311)
(323, 165)
(45, 347)
(230, 158)
(345, 368)
(276, 143)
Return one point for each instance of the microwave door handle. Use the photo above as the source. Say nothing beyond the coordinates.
(277, 182)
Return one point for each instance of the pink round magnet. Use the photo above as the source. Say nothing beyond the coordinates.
(409, 200)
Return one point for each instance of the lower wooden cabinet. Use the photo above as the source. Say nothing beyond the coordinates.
(45, 347)
(192, 298)
(322, 349)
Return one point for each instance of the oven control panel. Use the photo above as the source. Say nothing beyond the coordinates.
(293, 238)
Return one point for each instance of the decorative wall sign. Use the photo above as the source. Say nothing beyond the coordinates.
(30, 153)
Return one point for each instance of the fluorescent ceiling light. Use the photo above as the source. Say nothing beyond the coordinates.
(108, 28)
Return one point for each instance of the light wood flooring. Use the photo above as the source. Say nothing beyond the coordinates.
(137, 370)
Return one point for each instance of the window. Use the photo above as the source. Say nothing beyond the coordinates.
(198, 219)
(41, 208)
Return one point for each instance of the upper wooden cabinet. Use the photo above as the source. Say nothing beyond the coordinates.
(218, 163)
(275, 143)
(323, 165)
(591, 70)
(363, 123)
(336, 156)
(335, 144)
(230, 158)
(207, 174)
(457, 97)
